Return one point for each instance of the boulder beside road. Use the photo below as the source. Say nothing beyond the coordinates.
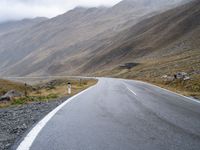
(180, 75)
(10, 95)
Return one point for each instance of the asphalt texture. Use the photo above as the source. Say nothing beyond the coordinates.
(123, 115)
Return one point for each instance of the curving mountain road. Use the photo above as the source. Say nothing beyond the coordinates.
(120, 114)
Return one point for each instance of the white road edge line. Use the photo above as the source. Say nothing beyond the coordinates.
(191, 99)
(131, 91)
(31, 136)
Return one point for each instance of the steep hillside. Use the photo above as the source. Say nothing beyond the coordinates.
(14, 26)
(173, 32)
(62, 44)
(160, 47)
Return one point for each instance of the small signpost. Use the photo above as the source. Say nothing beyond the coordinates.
(25, 90)
(69, 88)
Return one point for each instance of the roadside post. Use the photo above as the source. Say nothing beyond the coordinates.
(25, 90)
(69, 88)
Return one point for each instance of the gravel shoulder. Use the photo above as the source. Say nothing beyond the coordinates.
(17, 120)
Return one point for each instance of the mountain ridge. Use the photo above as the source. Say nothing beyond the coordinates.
(63, 43)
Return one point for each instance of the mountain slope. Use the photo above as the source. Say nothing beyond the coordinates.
(159, 48)
(13, 26)
(62, 44)
(173, 32)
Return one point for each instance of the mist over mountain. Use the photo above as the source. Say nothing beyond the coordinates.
(12, 26)
(83, 39)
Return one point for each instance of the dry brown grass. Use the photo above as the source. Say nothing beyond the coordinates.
(45, 93)
(152, 69)
(6, 85)
(61, 88)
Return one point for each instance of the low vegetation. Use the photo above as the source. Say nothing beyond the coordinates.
(153, 69)
(43, 92)
(6, 86)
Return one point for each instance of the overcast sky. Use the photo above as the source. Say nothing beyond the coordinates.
(19, 9)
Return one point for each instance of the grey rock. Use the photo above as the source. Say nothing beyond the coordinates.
(167, 78)
(180, 75)
(3, 98)
(10, 95)
(186, 78)
(13, 93)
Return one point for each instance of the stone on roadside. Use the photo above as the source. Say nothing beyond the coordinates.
(10, 95)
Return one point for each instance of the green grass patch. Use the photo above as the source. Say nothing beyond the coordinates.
(24, 100)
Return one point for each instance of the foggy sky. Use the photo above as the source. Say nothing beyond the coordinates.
(20, 9)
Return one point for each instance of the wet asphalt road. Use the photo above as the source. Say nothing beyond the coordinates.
(123, 115)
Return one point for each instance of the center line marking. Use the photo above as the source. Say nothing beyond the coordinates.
(132, 91)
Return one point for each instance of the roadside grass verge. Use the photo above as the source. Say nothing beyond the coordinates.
(47, 91)
(6, 85)
(152, 69)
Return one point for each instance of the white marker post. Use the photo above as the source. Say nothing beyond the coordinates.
(69, 88)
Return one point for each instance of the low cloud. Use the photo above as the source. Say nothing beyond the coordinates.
(19, 9)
